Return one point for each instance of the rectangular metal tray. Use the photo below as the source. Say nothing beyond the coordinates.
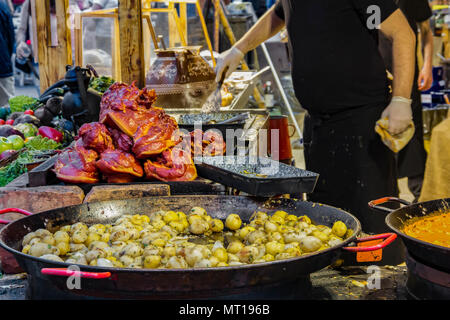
(256, 176)
(187, 122)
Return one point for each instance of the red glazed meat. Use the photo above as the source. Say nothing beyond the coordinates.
(174, 164)
(207, 144)
(121, 140)
(77, 165)
(118, 166)
(126, 107)
(155, 136)
(96, 136)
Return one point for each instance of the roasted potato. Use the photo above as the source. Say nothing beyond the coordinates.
(174, 240)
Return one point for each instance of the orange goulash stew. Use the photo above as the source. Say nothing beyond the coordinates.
(434, 229)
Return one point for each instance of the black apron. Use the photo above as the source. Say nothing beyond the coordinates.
(355, 166)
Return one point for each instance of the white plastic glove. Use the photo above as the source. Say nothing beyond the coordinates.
(22, 50)
(231, 59)
(399, 114)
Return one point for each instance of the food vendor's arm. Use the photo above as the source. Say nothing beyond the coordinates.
(266, 27)
(397, 28)
(426, 74)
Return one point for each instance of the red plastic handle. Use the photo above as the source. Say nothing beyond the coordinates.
(375, 204)
(389, 238)
(63, 272)
(27, 213)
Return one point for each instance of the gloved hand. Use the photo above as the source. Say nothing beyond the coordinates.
(231, 59)
(22, 50)
(399, 114)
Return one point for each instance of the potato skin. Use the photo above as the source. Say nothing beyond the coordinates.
(233, 222)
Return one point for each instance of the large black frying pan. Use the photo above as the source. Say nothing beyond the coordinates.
(426, 252)
(179, 283)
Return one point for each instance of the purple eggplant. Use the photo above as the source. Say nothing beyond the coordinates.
(7, 130)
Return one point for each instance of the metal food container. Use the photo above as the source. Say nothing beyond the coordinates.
(181, 78)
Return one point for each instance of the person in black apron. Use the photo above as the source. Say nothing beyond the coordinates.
(339, 77)
(411, 160)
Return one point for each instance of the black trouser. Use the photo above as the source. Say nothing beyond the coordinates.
(355, 167)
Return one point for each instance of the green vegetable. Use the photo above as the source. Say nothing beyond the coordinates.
(101, 84)
(27, 129)
(5, 145)
(16, 142)
(22, 103)
(41, 143)
(17, 167)
(11, 172)
(27, 156)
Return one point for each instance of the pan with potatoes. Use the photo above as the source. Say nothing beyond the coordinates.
(182, 244)
(175, 239)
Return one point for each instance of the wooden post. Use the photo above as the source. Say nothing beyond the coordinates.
(173, 33)
(52, 58)
(232, 38)
(78, 39)
(131, 42)
(216, 24)
(205, 31)
(116, 49)
(147, 39)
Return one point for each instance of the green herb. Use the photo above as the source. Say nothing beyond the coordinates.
(22, 103)
(27, 129)
(11, 172)
(17, 167)
(26, 157)
(101, 84)
(42, 143)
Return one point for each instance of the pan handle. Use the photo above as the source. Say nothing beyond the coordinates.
(27, 213)
(375, 204)
(63, 272)
(389, 238)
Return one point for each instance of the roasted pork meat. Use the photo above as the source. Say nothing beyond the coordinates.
(155, 136)
(207, 144)
(96, 136)
(121, 140)
(126, 107)
(131, 130)
(77, 165)
(174, 164)
(118, 166)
